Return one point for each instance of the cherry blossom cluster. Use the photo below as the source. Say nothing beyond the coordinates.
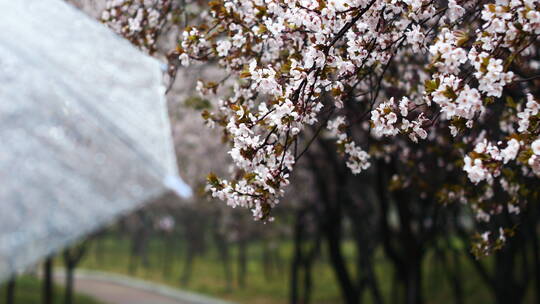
(486, 161)
(530, 112)
(486, 153)
(534, 160)
(387, 123)
(506, 28)
(488, 242)
(140, 21)
(357, 159)
(509, 162)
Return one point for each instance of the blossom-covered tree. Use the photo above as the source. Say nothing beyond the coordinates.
(389, 80)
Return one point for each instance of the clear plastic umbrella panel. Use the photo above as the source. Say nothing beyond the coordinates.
(84, 132)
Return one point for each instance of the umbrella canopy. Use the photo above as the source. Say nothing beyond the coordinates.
(84, 131)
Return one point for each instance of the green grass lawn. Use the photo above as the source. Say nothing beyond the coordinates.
(208, 276)
(28, 291)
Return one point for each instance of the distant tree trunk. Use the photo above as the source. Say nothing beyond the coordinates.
(223, 248)
(331, 226)
(139, 235)
(227, 265)
(279, 264)
(412, 277)
(168, 255)
(452, 270)
(456, 279)
(10, 291)
(512, 269)
(267, 261)
(536, 259)
(99, 249)
(306, 294)
(533, 236)
(68, 293)
(333, 233)
(394, 289)
(143, 238)
(374, 285)
(188, 263)
(308, 265)
(297, 258)
(135, 252)
(504, 281)
(366, 273)
(132, 266)
(409, 272)
(242, 262)
(404, 245)
(366, 239)
(143, 250)
(48, 292)
(71, 258)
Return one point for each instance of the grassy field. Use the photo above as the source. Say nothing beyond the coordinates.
(208, 276)
(28, 291)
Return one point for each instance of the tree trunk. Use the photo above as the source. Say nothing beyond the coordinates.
(536, 259)
(48, 292)
(413, 282)
(188, 263)
(267, 261)
(168, 255)
(72, 256)
(307, 283)
(277, 260)
(133, 258)
(68, 297)
(331, 222)
(508, 288)
(223, 248)
(99, 249)
(456, 278)
(365, 241)
(10, 291)
(349, 292)
(532, 225)
(297, 258)
(226, 265)
(242, 263)
(308, 265)
(371, 279)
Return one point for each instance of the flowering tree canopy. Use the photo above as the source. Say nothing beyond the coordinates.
(387, 79)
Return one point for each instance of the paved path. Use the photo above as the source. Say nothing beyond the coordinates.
(118, 294)
(117, 289)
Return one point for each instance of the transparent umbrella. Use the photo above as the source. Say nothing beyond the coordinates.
(84, 131)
